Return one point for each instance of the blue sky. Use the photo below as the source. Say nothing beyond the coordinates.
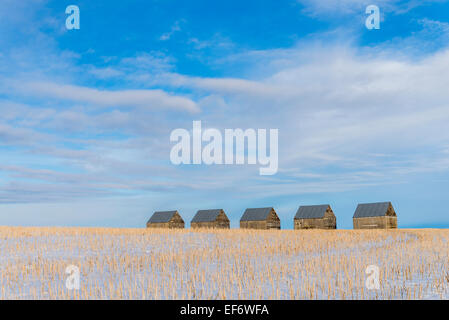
(86, 114)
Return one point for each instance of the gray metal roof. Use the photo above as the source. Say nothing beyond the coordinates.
(162, 216)
(256, 214)
(311, 212)
(377, 209)
(206, 215)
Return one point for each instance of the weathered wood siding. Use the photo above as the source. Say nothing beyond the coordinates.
(384, 222)
(323, 223)
(253, 224)
(273, 222)
(158, 225)
(329, 221)
(176, 222)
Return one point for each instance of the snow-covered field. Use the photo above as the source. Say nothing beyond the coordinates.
(228, 264)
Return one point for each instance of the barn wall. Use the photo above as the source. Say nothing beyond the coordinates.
(158, 225)
(262, 225)
(383, 222)
(323, 223)
(273, 221)
(222, 221)
(330, 220)
(253, 224)
(391, 212)
(168, 225)
(176, 222)
(214, 225)
(392, 222)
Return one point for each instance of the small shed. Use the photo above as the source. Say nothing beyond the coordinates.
(166, 219)
(212, 218)
(315, 217)
(380, 215)
(260, 218)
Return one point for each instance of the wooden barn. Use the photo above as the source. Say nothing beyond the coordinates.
(166, 219)
(260, 218)
(379, 215)
(212, 218)
(315, 217)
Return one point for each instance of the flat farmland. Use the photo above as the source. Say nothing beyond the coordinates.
(223, 264)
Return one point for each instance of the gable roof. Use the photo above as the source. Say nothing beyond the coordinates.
(162, 216)
(256, 214)
(311, 212)
(206, 215)
(377, 209)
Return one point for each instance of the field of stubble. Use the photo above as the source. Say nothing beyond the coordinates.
(228, 264)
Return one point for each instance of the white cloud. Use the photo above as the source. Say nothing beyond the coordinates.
(12, 135)
(148, 99)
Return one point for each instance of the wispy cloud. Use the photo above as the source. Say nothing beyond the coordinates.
(176, 27)
(148, 99)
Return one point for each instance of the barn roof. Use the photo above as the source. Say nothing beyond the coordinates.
(256, 214)
(162, 216)
(377, 209)
(206, 215)
(311, 212)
